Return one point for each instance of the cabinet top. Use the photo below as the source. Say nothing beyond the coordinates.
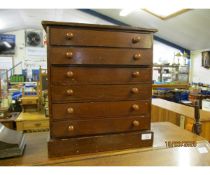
(45, 24)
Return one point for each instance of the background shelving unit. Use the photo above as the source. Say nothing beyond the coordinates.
(171, 73)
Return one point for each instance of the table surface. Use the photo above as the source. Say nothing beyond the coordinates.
(13, 117)
(36, 151)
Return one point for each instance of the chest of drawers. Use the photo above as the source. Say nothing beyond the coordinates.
(100, 83)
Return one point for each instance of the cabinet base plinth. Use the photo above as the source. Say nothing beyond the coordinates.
(100, 143)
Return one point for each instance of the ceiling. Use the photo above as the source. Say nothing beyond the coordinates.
(190, 30)
(11, 20)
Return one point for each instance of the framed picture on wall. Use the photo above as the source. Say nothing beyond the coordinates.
(7, 44)
(206, 59)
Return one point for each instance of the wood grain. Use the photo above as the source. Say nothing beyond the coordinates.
(85, 93)
(100, 75)
(60, 129)
(99, 109)
(32, 121)
(98, 38)
(163, 115)
(95, 144)
(59, 24)
(100, 56)
(175, 107)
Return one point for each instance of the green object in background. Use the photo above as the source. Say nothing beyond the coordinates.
(17, 78)
(22, 78)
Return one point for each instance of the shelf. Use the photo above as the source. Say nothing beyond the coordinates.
(173, 66)
(22, 82)
(184, 86)
(174, 72)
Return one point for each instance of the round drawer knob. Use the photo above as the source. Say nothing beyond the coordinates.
(71, 128)
(135, 90)
(135, 107)
(70, 110)
(69, 54)
(136, 39)
(137, 56)
(69, 35)
(70, 74)
(70, 91)
(135, 74)
(136, 123)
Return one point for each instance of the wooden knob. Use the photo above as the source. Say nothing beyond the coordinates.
(136, 39)
(71, 128)
(135, 74)
(69, 54)
(135, 90)
(69, 35)
(70, 110)
(136, 123)
(137, 56)
(70, 74)
(70, 91)
(135, 107)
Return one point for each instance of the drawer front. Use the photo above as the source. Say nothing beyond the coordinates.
(71, 128)
(29, 102)
(101, 92)
(36, 125)
(110, 56)
(99, 38)
(96, 75)
(100, 109)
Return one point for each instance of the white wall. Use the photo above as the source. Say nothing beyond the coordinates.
(198, 73)
(29, 56)
(19, 49)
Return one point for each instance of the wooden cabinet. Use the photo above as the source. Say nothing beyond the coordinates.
(100, 85)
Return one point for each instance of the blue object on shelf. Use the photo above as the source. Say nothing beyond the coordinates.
(205, 92)
(180, 96)
(35, 74)
(16, 95)
(24, 72)
(30, 85)
(163, 89)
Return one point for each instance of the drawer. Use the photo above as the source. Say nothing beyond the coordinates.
(101, 92)
(32, 125)
(71, 128)
(109, 56)
(99, 38)
(29, 101)
(100, 109)
(98, 75)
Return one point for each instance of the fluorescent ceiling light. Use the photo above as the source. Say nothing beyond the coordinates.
(7, 44)
(125, 12)
(164, 12)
